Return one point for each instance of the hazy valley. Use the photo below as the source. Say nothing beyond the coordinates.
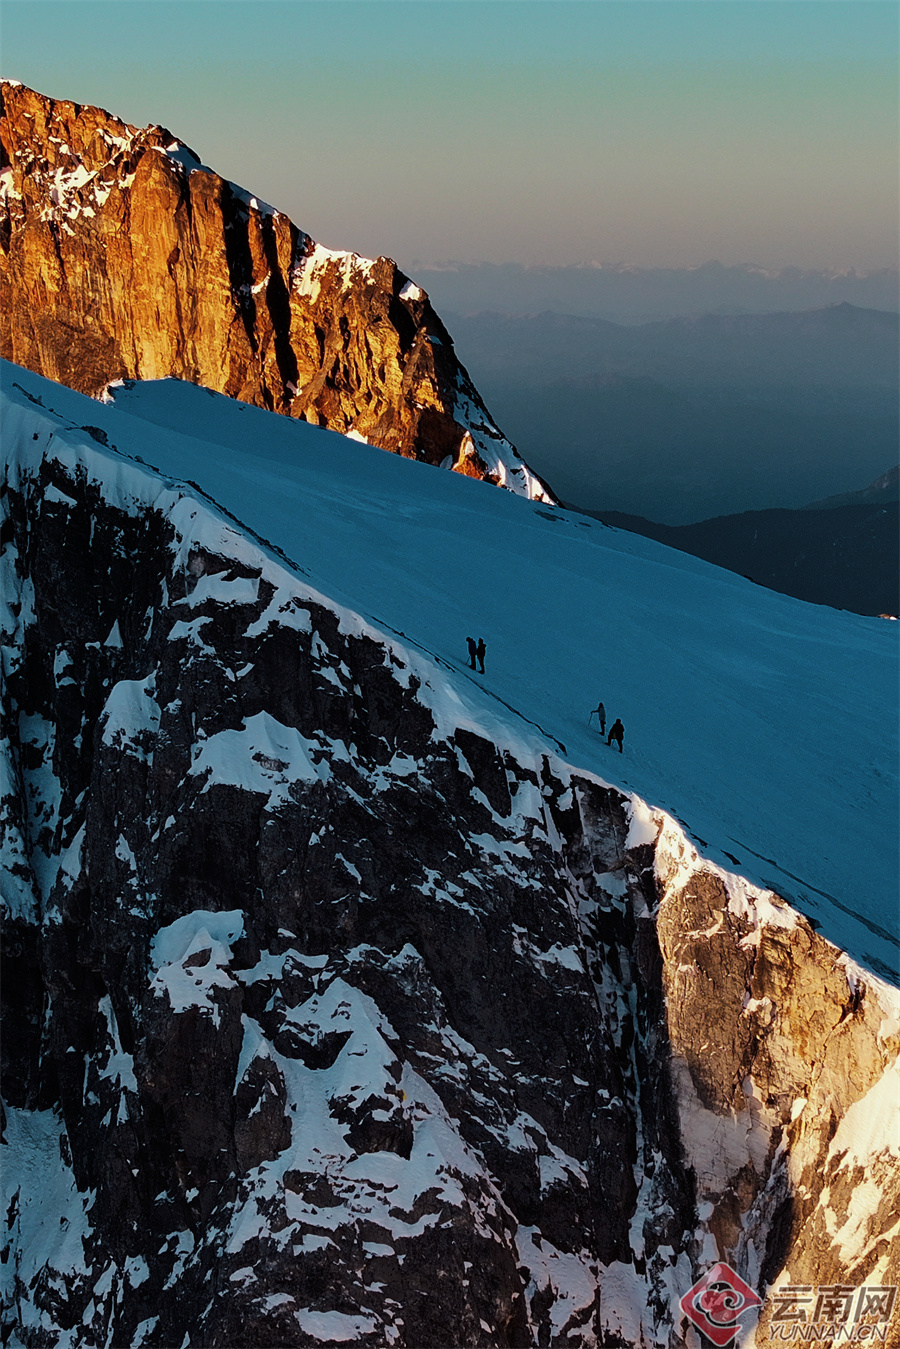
(689, 418)
(714, 434)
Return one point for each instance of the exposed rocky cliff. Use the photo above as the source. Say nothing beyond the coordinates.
(122, 256)
(330, 1019)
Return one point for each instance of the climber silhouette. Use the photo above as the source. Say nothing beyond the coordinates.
(470, 642)
(479, 651)
(616, 731)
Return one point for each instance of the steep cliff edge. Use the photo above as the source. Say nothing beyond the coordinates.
(122, 256)
(335, 1015)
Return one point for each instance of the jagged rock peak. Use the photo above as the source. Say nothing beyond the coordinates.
(123, 256)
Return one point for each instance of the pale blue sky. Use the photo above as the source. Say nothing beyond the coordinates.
(659, 132)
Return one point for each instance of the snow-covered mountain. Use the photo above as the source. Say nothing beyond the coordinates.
(354, 997)
(123, 256)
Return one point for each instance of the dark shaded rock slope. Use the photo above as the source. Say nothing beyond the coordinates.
(327, 1022)
(122, 256)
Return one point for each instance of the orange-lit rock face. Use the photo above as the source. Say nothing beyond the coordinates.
(122, 256)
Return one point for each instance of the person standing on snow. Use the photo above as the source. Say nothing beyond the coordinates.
(479, 651)
(470, 642)
(616, 731)
(601, 713)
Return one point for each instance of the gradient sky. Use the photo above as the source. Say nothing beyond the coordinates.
(657, 132)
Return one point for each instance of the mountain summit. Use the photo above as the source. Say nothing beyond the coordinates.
(122, 256)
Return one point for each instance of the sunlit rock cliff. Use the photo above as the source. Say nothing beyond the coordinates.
(123, 257)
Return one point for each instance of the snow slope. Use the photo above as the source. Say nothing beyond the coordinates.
(767, 726)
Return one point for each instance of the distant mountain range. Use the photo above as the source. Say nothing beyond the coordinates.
(838, 347)
(629, 294)
(842, 551)
(883, 489)
(690, 418)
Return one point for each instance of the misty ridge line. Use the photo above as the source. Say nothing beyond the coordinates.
(711, 264)
(632, 293)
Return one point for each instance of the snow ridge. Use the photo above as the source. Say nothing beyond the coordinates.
(421, 847)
